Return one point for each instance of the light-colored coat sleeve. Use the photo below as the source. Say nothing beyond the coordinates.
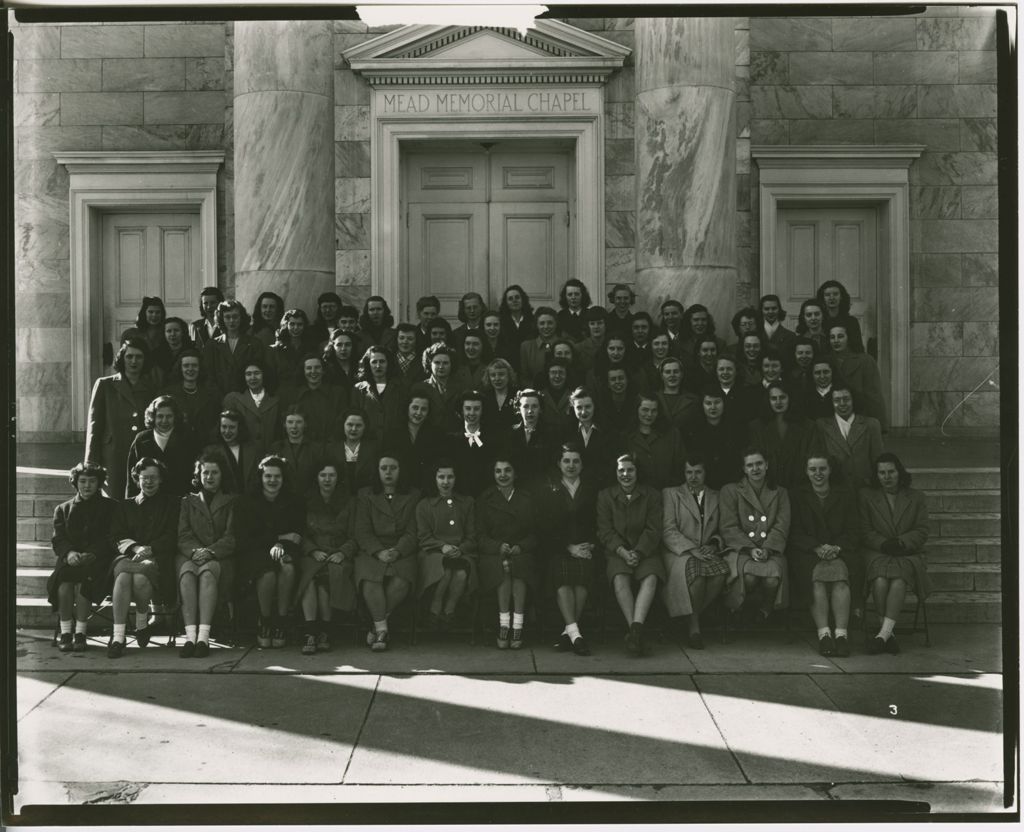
(677, 524)
(778, 534)
(732, 533)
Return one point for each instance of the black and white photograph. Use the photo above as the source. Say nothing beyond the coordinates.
(512, 405)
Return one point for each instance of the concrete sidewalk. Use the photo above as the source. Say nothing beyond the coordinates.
(761, 718)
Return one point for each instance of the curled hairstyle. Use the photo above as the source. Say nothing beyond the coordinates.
(844, 297)
(135, 344)
(233, 306)
(274, 461)
(618, 287)
(148, 462)
(236, 417)
(686, 328)
(904, 474)
(283, 337)
(439, 348)
(387, 320)
(156, 404)
(503, 306)
(87, 469)
(366, 374)
(801, 325)
(746, 312)
(429, 300)
(141, 323)
(258, 321)
(254, 362)
(402, 484)
(500, 363)
(782, 312)
(209, 290)
(211, 457)
(563, 302)
(186, 339)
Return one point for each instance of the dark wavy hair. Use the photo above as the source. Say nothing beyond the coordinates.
(439, 348)
(135, 344)
(429, 300)
(618, 287)
(573, 281)
(365, 373)
(255, 362)
(148, 462)
(163, 401)
(273, 461)
(386, 322)
(904, 475)
(283, 338)
(503, 306)
(326, 297)
(766, 414)
(258, 321)
(209, 290)
(661, 422)
(667, 303)
(236, 417)
(233, 305)
(782, 309)
(643, 316)
(402, 484)
(686, 327)
(844, 298)
(88, 469)
(140, 320)
(186, 339)
(745, 312)
(741, 357)
(214, 457)
(801, 327)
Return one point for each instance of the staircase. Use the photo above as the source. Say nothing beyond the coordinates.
(963, 552)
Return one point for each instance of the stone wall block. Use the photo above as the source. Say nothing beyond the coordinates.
(46, 415)
(978, 33)
(343, 42)
(143, 74)
(873, 34)
(44, 344)
(350, 88)
(959, 235)
(934, 133)
(621, 86)
(832, 131)
(164, 137)
(960, 100)
(352, 268)
(769, 68)
(980, 269)
(181, 40)
(352, 159)
(937, 339)
(620, 229)
(965, 168)
(685, 51)
(101, 41)
(929, 408)
(792, 102)
(101, 108)
(830, 68)
(980, 202)
(769, 131)
(981, 409)
(619, 157)
(352, 195)
(619, 193)
(951, 374)
(935, 270)
(36, 109)
(935, 203)
(619, 123)
(184, 107)
(42, 142)
(349, 27)
(981, 304)
(875, 101)
(940, 34)
(743, 159)
(620, 266)
(742, 41)
(743, 83)
(351, 124)
(352, 231)
(80, 75)
(981, 338)
(915, 67)
(786, 34)
(35, 42)
(977, 67)
(204, 73)
(978, 134)
(46, 276)
(43, 309)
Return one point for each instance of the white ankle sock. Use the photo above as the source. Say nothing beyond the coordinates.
(82, 627)
(190, 633)
(65, 627)
(888, 625)
(204, 633)
(141, 620)
(517, 620)
(823, 631)
(841, 632)
(504, 619)
(573, 631)
(380, 626)
(119, 632)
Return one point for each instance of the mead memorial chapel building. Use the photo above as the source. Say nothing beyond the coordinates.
(710, 160)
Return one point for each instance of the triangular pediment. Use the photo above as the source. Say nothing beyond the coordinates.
(436, 54)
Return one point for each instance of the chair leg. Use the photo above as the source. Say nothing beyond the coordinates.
(924, 614)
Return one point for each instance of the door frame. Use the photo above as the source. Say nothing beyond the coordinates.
(586, 205)
(874, 175)
(104, 182)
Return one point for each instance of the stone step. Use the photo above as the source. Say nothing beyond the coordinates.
(969, 577)
(953, 608)
(963, 500)
(34, 555)
(964, 550)
(43, 481)
(973, 524)
(33, 612)
(955, 479)
(31, 582)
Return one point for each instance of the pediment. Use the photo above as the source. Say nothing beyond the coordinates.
(550, 52)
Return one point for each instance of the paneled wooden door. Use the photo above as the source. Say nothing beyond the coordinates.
(817, 244)
(147, 254)
(480, 218)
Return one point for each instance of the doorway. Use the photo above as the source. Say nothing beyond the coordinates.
(480, 216)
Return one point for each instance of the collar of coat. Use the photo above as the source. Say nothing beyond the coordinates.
(768, 495)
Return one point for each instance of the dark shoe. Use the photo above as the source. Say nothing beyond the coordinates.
(447, 622)
(875, 646)
(380, 642)
(579, 647)
(762, 618)
(65, 645)
(892, 646)
(115, 649)
(309, 645)
(564, 643)
(202, 649)
(826, 646)
(79, 645)
(695, 641)
(633, 646)
(842, 647)
(143, 636)
(516, 642)
(188, 650)
(323, 642)
(503, 637)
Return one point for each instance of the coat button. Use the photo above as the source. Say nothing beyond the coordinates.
(763, 519)
(449, 501)
(451, 522)
(763, 534)
(751, 518)
(750, 534)
(135, 427)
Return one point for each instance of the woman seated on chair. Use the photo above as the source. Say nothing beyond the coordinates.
(206, 548)
(894, 529)
(385, 534)
(696, 558)
(446, 525)
(507, 538)
(268, 529)
(570, 539)
(629, 528)
(145, 532)
(326, 566)
(81, 542)
(823, 556)
(755, 522)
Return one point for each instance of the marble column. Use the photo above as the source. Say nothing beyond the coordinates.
(284, 160)
(686, 163)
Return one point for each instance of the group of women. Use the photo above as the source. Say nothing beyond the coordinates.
(324, 462)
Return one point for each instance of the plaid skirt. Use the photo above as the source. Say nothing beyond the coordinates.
(697, 568)
(890, 567)
(830, 571)
(568, 571)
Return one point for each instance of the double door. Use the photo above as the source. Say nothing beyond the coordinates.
(481, 217)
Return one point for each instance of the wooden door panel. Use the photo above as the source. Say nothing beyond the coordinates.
(446, 177)
(448, 252)
(529, 247)
(529, 177)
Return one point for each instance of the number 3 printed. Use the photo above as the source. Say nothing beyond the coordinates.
(893, 710)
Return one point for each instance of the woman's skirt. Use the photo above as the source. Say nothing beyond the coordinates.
(368, 568)
(94, 580)
(570, 571)
(683, 570)
(830, 571)
(492, 573)
(336, 577)
(911, 568)
(614, 565)
(773, 567)
(148, 567)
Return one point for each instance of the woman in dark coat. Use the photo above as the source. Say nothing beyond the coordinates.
(378, 392)
(291, 345)
(784, 435)
(267, 313)
(268, 531)
(506, 540)
(198, 401)
(150, 322)
(355, 454)
(569, 522)
(386, 535)
(227, 355)
(531, 443)
(165, 440)
(894, 528)
(470, 447)
(500, 385)
(341, 365)
(835, 302)
(712, 434)
(629, 528)
(860, 370)
(416, 443)
(811, 323)
(517, 318)
(675, 402)
(205, 563)
(302, 455)
(656, 447)
(175, 341)
(326, 568)
(824, 561)
(573, 301)
(116, 412)
(81, 542)
(260, 409)
(145, 532)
